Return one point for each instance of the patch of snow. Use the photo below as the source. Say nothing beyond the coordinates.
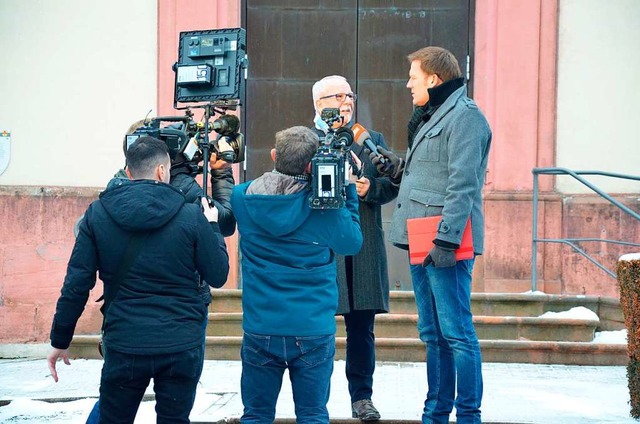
(630, 257)
(611, 337)
(579, 312)
(27, 411)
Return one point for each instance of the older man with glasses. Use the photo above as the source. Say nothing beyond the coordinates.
(363, 283)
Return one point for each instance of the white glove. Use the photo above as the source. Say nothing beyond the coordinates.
(210, 211)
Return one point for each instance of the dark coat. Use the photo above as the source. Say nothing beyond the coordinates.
(222, 183)
(369, 272)
(158, 308)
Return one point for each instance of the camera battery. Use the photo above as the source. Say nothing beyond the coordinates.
(195, 75)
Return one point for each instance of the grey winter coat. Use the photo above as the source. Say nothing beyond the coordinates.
(445, 172)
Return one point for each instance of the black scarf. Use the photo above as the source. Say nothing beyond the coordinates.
(437, 96)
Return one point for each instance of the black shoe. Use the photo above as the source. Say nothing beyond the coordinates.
(364, 410)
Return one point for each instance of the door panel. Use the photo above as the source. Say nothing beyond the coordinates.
(292, 44)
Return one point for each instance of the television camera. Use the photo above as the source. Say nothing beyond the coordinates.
(329, 173)
(184, 138)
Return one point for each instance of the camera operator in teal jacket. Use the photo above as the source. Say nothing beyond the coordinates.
(290, 294)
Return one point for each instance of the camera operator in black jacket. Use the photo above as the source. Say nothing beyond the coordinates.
(222, 183)
(158, 295)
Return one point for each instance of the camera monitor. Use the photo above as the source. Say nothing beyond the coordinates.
(210, 66)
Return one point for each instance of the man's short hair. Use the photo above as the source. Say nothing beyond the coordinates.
(439, 61)
(144, 155)
(295, 147)
(318, 88)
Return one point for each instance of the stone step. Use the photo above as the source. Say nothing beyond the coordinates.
(413, 350)
(342, 421)
(487, 327)
(150, 397)
(492, 304)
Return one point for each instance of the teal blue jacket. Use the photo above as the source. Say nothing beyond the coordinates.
(288, 260)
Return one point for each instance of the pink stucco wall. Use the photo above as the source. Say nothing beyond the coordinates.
(36, 238)
(515, 85)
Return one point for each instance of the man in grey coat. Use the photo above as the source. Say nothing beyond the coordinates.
(363, 282)
(449, 140)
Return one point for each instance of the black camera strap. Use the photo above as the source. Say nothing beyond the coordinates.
(130, 255)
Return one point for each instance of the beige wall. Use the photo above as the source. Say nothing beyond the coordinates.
(74, 75)
(598, 89)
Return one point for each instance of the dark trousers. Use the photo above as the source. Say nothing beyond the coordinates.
(361, 353)
(125, 378)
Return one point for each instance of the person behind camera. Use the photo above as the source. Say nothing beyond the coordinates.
(363, 282)
(222, 183)
(449, 141)
(289, 294)
(148, 245)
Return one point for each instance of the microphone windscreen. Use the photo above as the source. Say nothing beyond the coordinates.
(345, 136)
(360, 134)
(233, 122)
(363, 138)
(226, 124)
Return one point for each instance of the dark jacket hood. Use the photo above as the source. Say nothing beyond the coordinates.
(141, 205)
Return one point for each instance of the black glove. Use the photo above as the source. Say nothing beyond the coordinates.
(440, 257)
(389, 164)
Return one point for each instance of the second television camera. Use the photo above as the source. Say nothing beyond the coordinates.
(183, 136)
(329, 173)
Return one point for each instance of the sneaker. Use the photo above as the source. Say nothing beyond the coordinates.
(364, 410)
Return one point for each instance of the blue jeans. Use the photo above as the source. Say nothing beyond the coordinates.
(94, 415)
(445, 324)
(310, 363)
(361, 353)
(125, 378)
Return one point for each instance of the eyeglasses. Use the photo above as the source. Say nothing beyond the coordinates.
(341, 97)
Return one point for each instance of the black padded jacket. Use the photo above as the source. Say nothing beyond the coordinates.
(158, 307)
(222, 183)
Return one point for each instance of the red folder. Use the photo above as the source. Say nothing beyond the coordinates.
(422, 232)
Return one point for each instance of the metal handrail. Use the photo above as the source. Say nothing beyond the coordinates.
(570, 241)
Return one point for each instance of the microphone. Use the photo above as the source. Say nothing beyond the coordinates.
(363, 138)
(226, 125)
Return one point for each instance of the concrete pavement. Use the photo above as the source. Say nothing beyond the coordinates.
(513, 393)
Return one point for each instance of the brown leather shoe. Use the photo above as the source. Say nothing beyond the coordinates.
(364, 410)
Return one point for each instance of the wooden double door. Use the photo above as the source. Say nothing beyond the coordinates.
(293, 43)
